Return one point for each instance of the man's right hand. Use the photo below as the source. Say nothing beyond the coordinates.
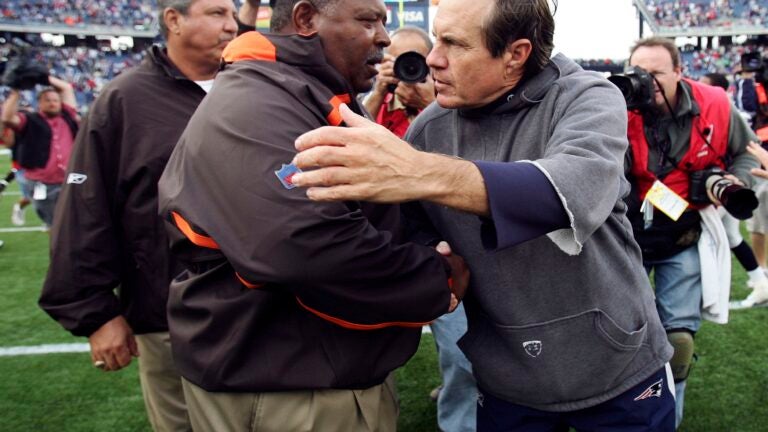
(386, 75)
(114, 344)
(459, 274)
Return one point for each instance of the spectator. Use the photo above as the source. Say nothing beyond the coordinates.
(716, 79)
(666, 141)
(8, 139)
(108, 234)
(43, 142)
(554, 263)
(318, 303)
(739, 247)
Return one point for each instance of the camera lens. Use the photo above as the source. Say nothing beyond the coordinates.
(411, 67)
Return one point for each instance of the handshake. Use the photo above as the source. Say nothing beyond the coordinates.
(459, 274)
(20, 72)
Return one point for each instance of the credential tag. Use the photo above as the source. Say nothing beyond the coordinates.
(666, 200)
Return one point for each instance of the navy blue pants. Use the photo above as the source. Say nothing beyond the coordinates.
(649, 406)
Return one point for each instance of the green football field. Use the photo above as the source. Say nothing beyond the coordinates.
(728, 388)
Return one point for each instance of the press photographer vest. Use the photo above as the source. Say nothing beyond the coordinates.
(712, 125)
(33, 143)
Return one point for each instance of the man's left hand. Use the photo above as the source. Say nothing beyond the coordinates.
(364, 161)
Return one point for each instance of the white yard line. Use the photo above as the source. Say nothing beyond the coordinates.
(44, 349)
(22, 229)
(16, 193)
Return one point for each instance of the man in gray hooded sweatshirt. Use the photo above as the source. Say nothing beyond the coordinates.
(562, 327)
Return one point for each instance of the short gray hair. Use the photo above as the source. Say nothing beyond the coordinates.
(182, 6)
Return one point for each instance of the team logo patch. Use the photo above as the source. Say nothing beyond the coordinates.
(75, 178)
(286, 173)
(532, 348)
(653, 391)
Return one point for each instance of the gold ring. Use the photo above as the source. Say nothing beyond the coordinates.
(100, 364)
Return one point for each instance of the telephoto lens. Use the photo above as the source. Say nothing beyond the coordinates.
(410, 67)
(739, 201)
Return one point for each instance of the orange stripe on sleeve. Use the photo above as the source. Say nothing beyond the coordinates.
(246, 283)
(354, 326)
(250, 46)
(195, 238)
(334, 117)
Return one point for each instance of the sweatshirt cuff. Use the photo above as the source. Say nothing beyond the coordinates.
(523, 204)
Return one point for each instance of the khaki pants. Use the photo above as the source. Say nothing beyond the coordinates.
(374, 409)
(161, 384)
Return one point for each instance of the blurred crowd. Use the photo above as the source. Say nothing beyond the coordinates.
(137, 14)
(691, 14)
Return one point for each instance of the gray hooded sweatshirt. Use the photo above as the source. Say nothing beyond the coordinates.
(564, 320)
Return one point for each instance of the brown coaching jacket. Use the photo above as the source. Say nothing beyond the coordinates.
(280, 292)
(106, 231)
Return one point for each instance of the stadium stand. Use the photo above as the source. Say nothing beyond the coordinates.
(705, 17)
(80, 13)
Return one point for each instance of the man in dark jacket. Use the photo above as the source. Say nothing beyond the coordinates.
(44, 141)
(108, 235)
(297, 308)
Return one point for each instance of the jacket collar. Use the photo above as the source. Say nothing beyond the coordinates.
(305, 53)
(158, 55)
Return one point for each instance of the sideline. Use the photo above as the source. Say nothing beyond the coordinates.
(23, 229)
(71, 348)
(44, 349)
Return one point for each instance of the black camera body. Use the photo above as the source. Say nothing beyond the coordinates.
(739, 201)
(410, 67)
(753, 62)
(20, 72)
(636, 85)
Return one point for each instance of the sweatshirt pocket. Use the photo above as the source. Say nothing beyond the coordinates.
(554, 362)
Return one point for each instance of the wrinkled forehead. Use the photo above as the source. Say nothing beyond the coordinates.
(461, 17)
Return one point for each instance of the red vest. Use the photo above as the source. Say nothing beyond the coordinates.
(713, 123)
(396, 121)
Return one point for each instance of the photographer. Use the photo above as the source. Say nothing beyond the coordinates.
(393, 102)
(687, 130)
(43, 139)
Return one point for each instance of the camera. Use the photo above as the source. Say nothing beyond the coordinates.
(737, 200)
(753, 62)
(636, 85)
(20, 72)
(410, 67)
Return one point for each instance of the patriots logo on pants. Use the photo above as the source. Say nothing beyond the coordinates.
(653, 391)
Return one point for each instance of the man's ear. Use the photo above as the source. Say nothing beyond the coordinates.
(304, 15)
(171, 17)
(515, 57)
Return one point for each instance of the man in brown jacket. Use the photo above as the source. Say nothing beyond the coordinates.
(107, 234)
(291, 314)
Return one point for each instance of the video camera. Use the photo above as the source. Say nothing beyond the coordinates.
(19, 71)
(753, 62)
(410, 67)
(636, 84)
(739, 201)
